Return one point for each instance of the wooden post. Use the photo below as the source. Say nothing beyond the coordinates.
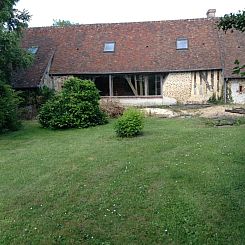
(161, 84)
(146, 81)
(141, 87)
(135, 84)
(110, 85)
(200, 87)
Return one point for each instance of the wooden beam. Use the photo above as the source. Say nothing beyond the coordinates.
(146, 81)
(131, 85)
(161, 84)
(110, 85)
(135, 83)
(141, 86)
(204, 78)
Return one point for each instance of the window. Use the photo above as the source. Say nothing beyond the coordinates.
(109, 47)
(182, 43)
(32, 50)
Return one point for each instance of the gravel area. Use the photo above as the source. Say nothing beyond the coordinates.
(207, 111)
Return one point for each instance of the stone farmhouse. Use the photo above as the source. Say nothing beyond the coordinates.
(157, 62)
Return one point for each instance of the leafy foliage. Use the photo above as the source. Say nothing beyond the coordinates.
(63, 23)
(234, 21)
(9, 101)
(12, 57)
(12, 21)
(130, 124)
(239, 69)
(32, 100)
(76, 106)
(36, 97)
(214, 100)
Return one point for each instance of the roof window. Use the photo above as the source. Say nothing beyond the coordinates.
(182, 43)
(33, 50)
(109, 47)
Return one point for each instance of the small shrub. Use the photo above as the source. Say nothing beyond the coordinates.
(112, 109)
(130, 124)
(76, 106)
(9, 113)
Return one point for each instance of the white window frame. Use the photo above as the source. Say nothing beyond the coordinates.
(109, 47)
(182, 43)
(33, 49)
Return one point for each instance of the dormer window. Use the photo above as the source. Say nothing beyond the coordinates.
(182, 43)
(109, 47)
(33, 50)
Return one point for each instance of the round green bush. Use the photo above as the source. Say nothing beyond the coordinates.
(76, 106)
(130, 124)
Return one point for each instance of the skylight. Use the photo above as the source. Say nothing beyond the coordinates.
(182, 43)
(33, 50)
(109, 47)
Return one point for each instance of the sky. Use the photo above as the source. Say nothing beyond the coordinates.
(114, 11)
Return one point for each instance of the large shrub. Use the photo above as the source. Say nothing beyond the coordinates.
(76, 106)
(9, 101)
(130, 124)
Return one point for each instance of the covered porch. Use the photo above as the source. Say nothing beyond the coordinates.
(129, 85)
(131, 89)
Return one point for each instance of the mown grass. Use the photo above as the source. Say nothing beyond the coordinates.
(182, 182)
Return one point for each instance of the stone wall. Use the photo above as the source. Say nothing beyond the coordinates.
(141, 100)
(55, 82)
(237, 89)
(193, 87)
(178, 86)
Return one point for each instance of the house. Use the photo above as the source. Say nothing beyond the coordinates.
(156, 62)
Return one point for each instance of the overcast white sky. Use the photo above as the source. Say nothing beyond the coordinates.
(107, 11)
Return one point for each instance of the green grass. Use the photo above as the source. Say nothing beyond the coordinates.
(182, 182)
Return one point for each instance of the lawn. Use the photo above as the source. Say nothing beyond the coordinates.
(181, 182)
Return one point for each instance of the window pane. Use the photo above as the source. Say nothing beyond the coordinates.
(32, 50)
(109, 47)
(182, 44)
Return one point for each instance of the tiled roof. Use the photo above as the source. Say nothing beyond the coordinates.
(31, 77)
(232, 48)
(140, 47)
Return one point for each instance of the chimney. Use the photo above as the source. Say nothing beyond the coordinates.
(211, 13)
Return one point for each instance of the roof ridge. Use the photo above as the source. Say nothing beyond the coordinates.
(123, 23)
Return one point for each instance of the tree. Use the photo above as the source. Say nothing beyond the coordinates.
(237, 22)
(63, 23)
(233, 21)
(12, 57)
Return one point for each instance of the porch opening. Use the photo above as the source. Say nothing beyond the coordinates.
(154, 84)
(129, 84)
(121, 87)
(102, 84)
